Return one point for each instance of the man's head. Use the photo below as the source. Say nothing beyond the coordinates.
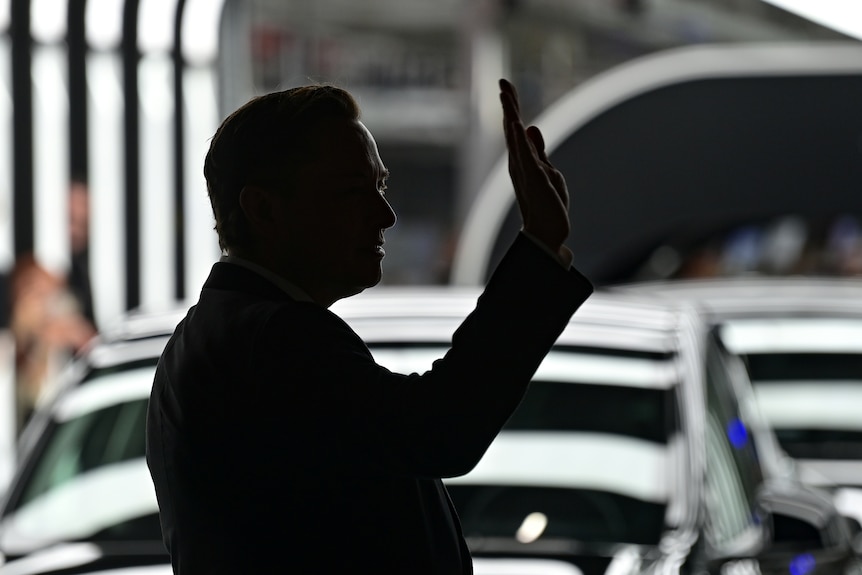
(296, 182)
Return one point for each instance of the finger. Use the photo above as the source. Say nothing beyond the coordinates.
(504, 101)
(520, 157)
(530, 148)
(517, 156)
(530, 164)
(508, 88)
(511, 125)
(510, 109)
(538, 141)
(554, 176)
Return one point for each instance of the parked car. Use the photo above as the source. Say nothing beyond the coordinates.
(801, 342)
(82, 498)
(638, 449)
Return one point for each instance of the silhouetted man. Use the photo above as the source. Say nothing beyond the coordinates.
(276, 443)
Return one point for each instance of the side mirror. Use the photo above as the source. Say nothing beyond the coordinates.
(855, 529)
(853, 525)
(808, 532)
(800, 515)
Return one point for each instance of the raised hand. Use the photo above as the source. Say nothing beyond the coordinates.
(539, 187)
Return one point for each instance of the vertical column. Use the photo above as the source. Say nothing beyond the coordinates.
(484, 54)
(156, 154)
(50, 134)
(179, 252)
(22, 142)
(78, 134)
(131, 149)
(7, 254)
(7, 181)
(202, 31)
(104, 68)
(80, 206)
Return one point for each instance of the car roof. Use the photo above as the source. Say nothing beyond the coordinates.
(772, 314)
(431, 314)
(428, 314)
(759, 296)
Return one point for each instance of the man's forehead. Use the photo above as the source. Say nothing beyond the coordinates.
(343, 174)
(347, 150)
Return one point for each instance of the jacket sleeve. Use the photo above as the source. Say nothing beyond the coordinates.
(320, 395)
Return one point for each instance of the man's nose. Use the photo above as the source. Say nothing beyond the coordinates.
(387, 214)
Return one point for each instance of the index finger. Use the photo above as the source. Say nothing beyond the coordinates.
(506, 87)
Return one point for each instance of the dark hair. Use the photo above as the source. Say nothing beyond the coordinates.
(263, 143)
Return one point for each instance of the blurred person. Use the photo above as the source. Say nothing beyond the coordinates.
(47, 327)
(844, 246)
(275, 442)
(5, 301)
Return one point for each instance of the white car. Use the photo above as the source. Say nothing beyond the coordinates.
(801, 341)
(638, 449)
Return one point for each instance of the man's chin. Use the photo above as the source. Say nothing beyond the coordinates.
(360, 286)
(372, 282)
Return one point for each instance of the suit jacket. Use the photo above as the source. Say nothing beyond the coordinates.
(277, 444)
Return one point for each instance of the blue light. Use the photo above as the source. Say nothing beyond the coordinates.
(802, 564)
(737, 433)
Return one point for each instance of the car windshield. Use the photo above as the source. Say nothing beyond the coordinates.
(807, 377)
(812, 402)
(589, 455)
(90, 480)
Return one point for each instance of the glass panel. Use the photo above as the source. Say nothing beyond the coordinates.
(643, 413)
(527, 513)
(766, 367)
(811, 401)
(88, 442)
(729, 513)
(733, 471)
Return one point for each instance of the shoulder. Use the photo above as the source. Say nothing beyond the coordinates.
(304, 322)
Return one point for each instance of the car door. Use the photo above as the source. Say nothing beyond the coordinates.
(756, 523)
(733, 526)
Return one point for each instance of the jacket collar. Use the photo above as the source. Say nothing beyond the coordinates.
(232, 277)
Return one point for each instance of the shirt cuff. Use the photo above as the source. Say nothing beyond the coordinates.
(564, 257)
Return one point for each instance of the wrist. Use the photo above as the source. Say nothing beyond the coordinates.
(562, 254)
(565, 256)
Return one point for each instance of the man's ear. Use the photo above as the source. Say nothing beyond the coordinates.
(258, 205)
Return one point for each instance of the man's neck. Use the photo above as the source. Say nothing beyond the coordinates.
(290, 288)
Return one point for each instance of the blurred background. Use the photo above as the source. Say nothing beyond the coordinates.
(107, 107)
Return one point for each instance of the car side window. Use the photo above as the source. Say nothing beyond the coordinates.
(107, 436)
(733, 473)
(99, 425)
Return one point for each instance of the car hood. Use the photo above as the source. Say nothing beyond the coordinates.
(127, 558)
